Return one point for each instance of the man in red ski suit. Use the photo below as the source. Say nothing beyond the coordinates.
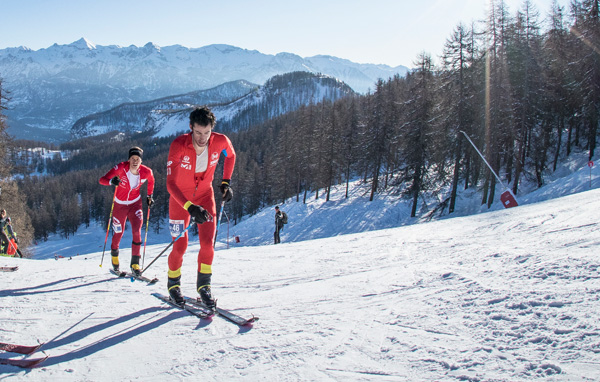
(193, 158)
(129, 177)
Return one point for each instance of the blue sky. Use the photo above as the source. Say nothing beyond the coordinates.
(391, 32)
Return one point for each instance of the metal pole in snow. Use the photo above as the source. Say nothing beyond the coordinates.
(507, 198)
(481, 155)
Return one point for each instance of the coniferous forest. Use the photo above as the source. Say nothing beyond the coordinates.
(523, 84)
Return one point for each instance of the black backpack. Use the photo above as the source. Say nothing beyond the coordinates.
(284, 219)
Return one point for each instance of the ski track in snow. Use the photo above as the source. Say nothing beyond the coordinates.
(507, 295)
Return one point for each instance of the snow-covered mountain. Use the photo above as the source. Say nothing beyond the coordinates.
(133, 116)
(52, 88)
(236, 104)
(281, 94)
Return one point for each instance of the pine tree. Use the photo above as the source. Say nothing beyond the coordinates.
(498, 101)
(555, 108)
(590, 36)
(11, 198)
(415, 133)
(524, 54)
(457, 101)
(377, 136)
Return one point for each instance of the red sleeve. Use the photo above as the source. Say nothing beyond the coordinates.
(173, 163)
(229, 164)
(105, 180)
(150, 180)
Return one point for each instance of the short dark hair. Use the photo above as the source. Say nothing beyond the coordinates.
(136, 151)
(203, 116)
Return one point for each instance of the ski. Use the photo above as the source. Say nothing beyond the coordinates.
(226, 314)
(133, 277)
(8, 269)
(23, 363)
(119, 273)
(200, 313)
(21, 349)
(142, 278)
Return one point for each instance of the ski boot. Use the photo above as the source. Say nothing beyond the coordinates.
(114, 254)
(203, 287)
(135, 266)
(207, 298)
(173, 285)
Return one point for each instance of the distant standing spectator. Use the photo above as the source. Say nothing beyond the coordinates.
(280, 220)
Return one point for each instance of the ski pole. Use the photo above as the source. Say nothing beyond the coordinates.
(146, 236)
(218, 222)
(168, 246)
(108, 227)
(228, 223)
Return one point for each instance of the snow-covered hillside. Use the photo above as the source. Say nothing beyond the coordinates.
(280, 95)
(506, 295)
(137, 116)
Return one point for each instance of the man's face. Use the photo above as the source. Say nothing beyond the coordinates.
(201, 134)
(135, 162)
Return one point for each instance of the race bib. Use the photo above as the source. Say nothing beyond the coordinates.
(176, 227)
(117, 228)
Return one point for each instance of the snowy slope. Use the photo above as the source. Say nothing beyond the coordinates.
(506, 295)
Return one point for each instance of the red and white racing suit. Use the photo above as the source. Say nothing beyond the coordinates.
(185, 184)
(128, 203)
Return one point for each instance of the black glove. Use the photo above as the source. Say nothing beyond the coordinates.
(115, 181)
(149, 200)
(199, 215)
(226, 190)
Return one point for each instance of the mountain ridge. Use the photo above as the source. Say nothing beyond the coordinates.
(51, 88)
(237, 105)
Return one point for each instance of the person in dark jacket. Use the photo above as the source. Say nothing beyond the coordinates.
(280, 220)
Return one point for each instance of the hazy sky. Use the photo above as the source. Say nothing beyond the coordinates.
(391, 32)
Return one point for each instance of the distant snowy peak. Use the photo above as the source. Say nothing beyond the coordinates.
(83, 43)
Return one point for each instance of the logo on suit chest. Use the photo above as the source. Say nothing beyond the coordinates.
(214, 159)
(186, 163)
